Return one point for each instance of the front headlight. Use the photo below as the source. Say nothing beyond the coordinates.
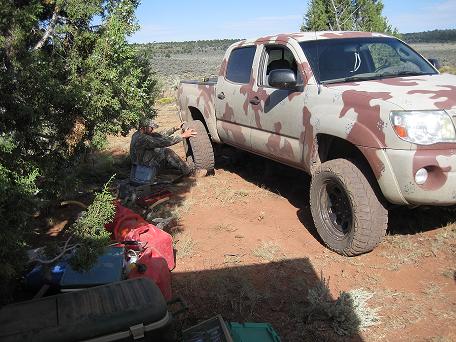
(424, 127)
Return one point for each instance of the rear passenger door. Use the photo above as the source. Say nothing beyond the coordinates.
(232, 106)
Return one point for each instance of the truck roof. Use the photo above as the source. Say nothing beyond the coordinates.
(306, 36)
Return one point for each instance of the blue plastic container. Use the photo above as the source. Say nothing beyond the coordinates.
(107, 269)
(253, 332)
(34, 280)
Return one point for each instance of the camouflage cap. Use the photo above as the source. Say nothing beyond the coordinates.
(147, 122)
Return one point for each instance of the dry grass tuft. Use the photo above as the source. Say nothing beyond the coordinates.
(267, 251)
(182, 208)
(432, 290)
(233, 259)
(347, 315)
(184, 244)
(227, 195)
(448, 70)
(224, 227)
(403, 250)
(165, 100)
(441, 339)
(445, 237)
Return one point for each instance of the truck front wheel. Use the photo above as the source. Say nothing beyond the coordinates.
(346, 211)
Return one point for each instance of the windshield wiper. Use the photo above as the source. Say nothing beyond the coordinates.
(402, 73)
(373, 76)
(364, 77)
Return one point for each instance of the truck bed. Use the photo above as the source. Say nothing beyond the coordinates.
(196, 101)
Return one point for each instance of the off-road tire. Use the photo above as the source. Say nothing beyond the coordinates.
(199, 149)
(369, 218)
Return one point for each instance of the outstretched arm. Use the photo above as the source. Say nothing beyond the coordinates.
(171, 131)
(158, 141)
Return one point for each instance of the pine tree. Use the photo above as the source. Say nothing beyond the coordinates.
(369, 17)
(336, 15)
(316, 18)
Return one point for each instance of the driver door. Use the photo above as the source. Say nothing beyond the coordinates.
(278, 129)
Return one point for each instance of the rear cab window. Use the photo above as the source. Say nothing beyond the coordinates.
(239, 68)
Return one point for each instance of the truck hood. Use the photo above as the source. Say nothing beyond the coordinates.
(425, 92)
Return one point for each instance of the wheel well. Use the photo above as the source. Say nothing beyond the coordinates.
(197, 115)
(331, 147)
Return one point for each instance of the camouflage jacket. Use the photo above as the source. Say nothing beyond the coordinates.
(146, 145)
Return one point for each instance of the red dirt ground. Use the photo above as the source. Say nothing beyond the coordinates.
(247, 249)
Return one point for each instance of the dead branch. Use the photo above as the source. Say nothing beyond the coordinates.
(352, 17)
(336, 15)
(65, 250)
(79, 204)
(49, 31)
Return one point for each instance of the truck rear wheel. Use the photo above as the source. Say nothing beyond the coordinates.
(199, 149)
(346, 211)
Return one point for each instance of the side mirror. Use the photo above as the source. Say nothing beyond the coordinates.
(435, 62)
(282, 79)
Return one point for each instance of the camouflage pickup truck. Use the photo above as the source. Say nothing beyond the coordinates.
(370, 119)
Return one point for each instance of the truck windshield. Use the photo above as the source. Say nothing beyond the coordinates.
(358, 59)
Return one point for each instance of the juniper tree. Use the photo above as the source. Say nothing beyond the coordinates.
(68, 77)
(358, 15)
(316, 18)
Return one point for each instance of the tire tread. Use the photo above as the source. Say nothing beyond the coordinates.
(201, 147)
(370, 217)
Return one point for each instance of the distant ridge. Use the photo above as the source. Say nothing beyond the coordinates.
(435, 36)
(194, 46)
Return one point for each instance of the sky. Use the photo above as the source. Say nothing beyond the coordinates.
(181, 20)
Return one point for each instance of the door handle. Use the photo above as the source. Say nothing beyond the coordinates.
(255, 100)
(221, 96)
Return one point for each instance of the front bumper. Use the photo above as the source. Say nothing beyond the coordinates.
(439, 188)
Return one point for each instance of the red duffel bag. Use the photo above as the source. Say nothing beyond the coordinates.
(150, 236)
(124, 221)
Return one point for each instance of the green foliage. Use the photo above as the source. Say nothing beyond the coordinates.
(317, 17)
(165, 100)
(16, 201)
(368, 17)
(89, 231)
(346, 15)
(68, 78)
(84, 82)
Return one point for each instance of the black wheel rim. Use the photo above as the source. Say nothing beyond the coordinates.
(335, 208)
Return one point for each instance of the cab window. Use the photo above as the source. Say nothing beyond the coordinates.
(239, 68)
(278, 57)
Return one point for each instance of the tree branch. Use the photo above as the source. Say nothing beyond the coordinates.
(65, 250)
(336, 15)
(352, 17)
(49, 31)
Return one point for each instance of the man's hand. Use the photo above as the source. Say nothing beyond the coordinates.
(189, 132)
